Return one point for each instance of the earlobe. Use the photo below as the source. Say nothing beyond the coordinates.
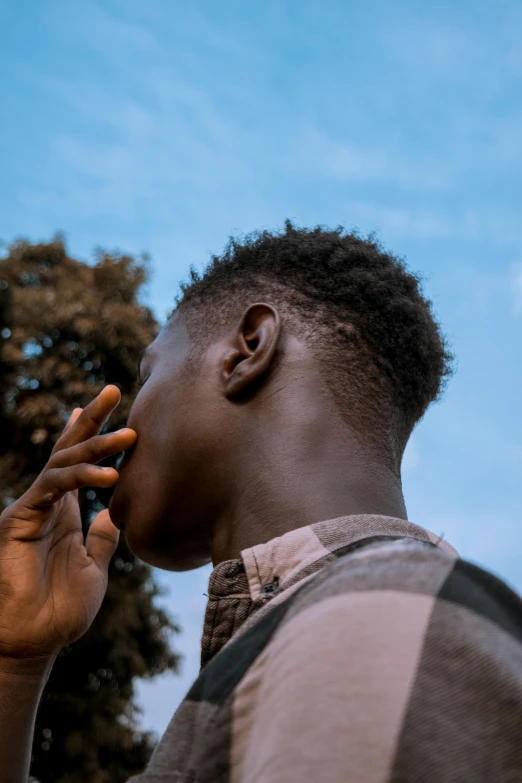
(254, 346)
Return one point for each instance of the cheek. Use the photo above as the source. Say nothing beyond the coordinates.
(175, 476)
(181, 431)
(173, 428)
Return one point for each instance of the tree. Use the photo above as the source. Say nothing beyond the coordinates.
(68, 329)
(5, 332)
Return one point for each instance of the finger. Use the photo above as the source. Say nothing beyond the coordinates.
(72, 418)
(52, 485)
(102, 539)
(91, 419)
(95, 449)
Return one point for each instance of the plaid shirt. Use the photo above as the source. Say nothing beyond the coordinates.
(361, 650)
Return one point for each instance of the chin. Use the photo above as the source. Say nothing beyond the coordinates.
(166, 551)
(165, 560)
(155, 542)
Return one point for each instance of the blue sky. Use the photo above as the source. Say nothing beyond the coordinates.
(165, 127)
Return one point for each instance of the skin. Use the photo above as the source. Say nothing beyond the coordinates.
(225, 448)
(212, 472)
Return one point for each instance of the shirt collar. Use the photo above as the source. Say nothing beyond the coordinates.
(239, 587)
(301, 552)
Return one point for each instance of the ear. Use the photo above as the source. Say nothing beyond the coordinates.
(254, 346)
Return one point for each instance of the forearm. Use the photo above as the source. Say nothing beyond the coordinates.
(20, 692)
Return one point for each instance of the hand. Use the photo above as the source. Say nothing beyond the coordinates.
(52, 583)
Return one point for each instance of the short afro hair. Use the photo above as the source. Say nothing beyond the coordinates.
(356, 304)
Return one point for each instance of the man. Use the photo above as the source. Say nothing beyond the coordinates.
(341, 642)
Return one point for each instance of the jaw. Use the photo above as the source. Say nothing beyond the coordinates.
(162, 543)
(168, 555)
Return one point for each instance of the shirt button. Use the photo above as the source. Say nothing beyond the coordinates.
(270, 587)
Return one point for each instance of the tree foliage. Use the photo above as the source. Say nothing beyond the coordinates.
(68, 328)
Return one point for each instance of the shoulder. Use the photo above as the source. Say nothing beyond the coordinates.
(405, 594)
(408, 566)
(395, 660)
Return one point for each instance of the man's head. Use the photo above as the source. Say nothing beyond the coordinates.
(284, 337)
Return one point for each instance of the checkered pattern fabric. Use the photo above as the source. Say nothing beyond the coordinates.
(357, 650)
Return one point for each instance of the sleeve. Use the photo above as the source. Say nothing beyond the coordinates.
(382, 685)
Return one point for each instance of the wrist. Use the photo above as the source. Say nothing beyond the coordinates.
(30, 670)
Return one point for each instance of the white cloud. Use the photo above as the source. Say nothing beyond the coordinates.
(147, 156)
(314, 152)
(162, 131)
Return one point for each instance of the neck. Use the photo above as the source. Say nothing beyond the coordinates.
(314, 472)
(284, 511)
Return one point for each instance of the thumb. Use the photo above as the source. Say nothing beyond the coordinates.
(102, 540)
